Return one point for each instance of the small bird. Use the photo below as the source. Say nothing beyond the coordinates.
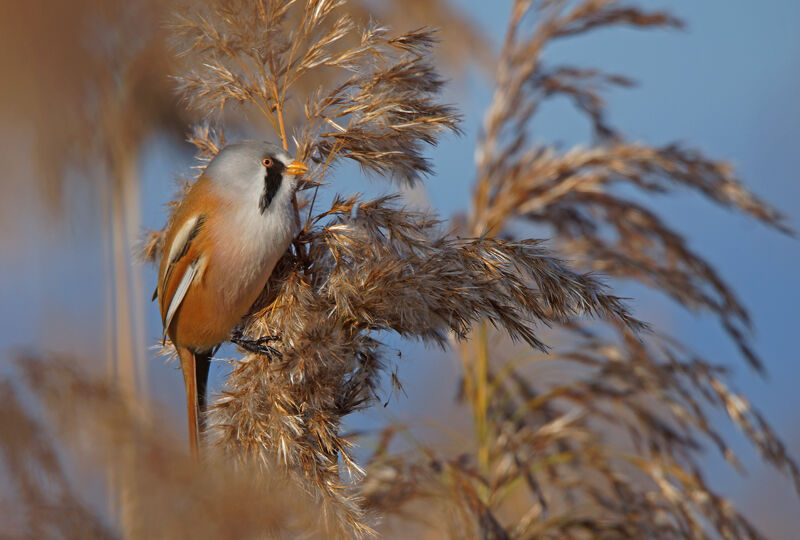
(223, 242)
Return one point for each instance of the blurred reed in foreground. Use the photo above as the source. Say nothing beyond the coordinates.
(82, 425)
(609, 449)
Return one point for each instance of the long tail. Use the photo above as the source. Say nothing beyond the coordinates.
(195, 377)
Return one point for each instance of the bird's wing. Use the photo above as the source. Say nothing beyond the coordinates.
(183, 265)
(188, 276)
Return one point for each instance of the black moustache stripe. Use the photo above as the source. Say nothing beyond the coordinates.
(272, 183)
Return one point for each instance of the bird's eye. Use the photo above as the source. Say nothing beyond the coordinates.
(266, 162)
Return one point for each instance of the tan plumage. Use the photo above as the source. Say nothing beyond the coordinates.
(223, 242)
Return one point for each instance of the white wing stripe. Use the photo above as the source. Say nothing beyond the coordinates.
(192, 271)
(182, 236)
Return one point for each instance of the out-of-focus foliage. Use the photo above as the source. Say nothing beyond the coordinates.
(46, 450)
(86, 81)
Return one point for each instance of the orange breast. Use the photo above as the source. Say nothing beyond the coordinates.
(216, 301)
(205, 317)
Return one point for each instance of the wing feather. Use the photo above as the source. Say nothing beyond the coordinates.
(191, 272)
(180, 247)
(183, 263)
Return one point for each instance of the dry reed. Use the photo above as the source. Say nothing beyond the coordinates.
(611, 448)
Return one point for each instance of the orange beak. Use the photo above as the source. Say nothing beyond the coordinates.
(295, 167)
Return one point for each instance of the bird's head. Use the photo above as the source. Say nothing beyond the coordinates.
(257, 170)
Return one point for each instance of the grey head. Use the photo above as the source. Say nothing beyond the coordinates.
(258, 170)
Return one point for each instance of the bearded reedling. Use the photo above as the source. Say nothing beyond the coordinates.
(225, 238)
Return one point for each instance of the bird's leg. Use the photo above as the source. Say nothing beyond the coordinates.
(202, 364)
(256, 346)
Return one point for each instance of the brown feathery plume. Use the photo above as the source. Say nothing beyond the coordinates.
(360, 266)
(226, 61)
(609, 445)
(374, 267)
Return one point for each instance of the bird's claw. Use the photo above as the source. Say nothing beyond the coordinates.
(257, 346)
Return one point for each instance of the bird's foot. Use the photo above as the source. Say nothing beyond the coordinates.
(257, 346)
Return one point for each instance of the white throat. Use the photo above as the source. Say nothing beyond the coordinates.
(254, 241)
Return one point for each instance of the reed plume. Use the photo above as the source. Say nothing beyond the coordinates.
(610, 447)
(360, 266)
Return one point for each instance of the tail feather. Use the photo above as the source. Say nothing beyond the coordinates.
(195, 368)
(202, 364)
